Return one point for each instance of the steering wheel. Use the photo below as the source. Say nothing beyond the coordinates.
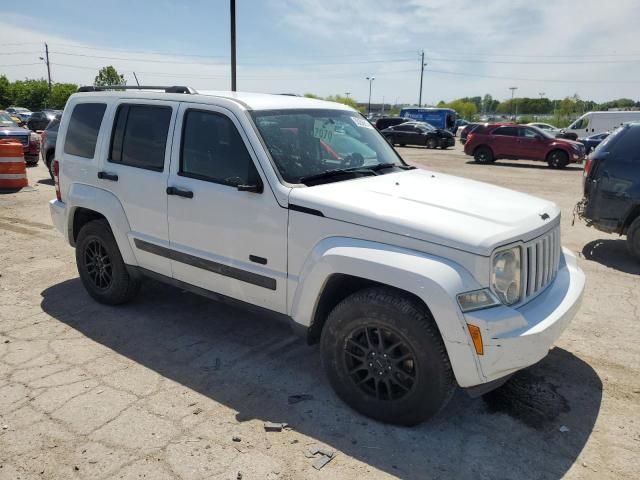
(354, 160)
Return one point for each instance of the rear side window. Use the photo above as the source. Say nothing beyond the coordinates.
(54, 124)
(82, 133)
(139, 137)
(627, 147)
(405, 128)
(506, 131)
(213, 150)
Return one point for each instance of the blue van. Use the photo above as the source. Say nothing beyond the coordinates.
(444, 118)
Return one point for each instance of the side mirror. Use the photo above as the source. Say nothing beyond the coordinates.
(253, 188)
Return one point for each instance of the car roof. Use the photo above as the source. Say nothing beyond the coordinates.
(247, 100)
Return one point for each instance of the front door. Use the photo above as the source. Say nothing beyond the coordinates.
(227, 232)
(532, 146)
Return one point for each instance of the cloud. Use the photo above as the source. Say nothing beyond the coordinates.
(330, 47)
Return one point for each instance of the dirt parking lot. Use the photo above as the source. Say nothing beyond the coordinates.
(177, 386)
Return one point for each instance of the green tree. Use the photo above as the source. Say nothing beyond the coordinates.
(32, 94)
(60, 92)
(109, 76)
(344, 100)
(466, 109)
(312, 95)
(5, 92)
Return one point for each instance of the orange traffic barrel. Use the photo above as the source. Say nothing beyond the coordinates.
(13, 170)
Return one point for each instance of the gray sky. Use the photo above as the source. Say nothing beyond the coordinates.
(328, 47)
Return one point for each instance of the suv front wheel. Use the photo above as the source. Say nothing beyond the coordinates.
(558, 159)
(100, 265)
(385, 358)
(483, 155)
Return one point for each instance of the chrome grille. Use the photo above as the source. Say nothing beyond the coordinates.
(23, 139)
(541, 259)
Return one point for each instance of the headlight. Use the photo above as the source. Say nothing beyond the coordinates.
(506, 278)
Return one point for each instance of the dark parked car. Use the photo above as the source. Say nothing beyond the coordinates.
(488, 143)
(40, 120)
(466, 130)
(48, 141)
(611, 200)
(418, 133)
(590, 143)
(386, 122)
(9, 130)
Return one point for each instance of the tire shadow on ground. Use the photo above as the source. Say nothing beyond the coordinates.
(613, 254)
(252, 364)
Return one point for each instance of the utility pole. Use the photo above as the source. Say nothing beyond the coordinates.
(422, 65)
(347, 94)
(232, 5)
(371, 79)
(136, 77)
(46, 60)
(513, 89)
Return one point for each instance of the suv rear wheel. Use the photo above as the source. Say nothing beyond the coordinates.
(633, 238)
(558, 159)
(385, 358)
(100, 265)
(483, 155)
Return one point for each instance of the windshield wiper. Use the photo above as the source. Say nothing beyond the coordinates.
(336, 172)
(380, 166)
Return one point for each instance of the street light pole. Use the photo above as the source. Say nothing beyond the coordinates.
(232, 11)
(513, 89)
(347, 94)
(371, 79)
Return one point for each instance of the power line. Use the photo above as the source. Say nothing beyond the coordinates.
(18, 53)
(19, 64)
(589, 62)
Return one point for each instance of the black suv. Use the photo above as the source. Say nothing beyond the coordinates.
(611, 200)
(418, 133)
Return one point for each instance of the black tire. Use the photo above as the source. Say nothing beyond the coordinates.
(557, 159)
(431, 143)
(107, 279)
(633, 238)
(483, 155)
(411, 390)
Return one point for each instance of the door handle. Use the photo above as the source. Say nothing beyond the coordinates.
(179, 192)
(108, 176)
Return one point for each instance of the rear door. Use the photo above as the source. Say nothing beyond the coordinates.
(504, 142)
(618, 179)
(224, 238)
(135, 168)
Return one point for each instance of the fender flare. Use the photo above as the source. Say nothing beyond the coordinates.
(108, 205)
(435, 280)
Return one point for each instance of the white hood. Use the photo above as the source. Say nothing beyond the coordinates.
(433, 207)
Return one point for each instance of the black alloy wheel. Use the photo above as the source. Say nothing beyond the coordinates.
(380, 363)
(98, 264)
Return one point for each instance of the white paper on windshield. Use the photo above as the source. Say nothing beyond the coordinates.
(323, 130)
(361, 122)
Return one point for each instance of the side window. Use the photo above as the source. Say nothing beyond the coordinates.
(506, 131)
(528, 133)
(82, 132)
(405, 128)
(213, 150)
(627, 148)
(139, 137)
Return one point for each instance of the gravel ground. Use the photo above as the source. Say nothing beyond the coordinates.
(177, 386)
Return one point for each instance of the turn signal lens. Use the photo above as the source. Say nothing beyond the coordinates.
(476, 336)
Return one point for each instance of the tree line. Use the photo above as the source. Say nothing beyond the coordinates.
(35, 94)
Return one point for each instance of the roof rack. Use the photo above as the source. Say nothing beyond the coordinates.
(170, 89)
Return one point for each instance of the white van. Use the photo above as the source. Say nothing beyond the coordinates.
(592, 123)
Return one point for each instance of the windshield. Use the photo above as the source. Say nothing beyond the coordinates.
(5, 120)
(308, 142)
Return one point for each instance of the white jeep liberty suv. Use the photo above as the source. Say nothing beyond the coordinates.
(414, 282)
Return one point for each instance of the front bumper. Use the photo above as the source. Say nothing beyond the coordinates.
(515, 338)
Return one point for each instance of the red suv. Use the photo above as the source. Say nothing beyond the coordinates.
(488, 143)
